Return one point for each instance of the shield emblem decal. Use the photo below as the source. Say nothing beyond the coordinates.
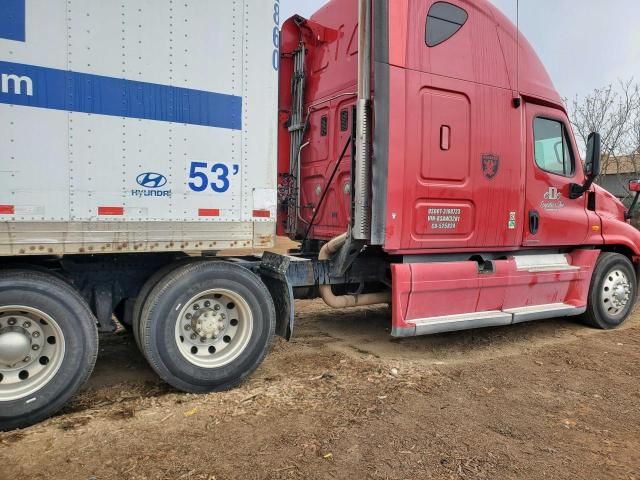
(490, 165)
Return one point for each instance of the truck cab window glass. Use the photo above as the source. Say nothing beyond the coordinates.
(443, 21)
(551, 147)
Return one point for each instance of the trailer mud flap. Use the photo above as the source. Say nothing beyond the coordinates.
(448, 296)
(282, 294)
(276, 271)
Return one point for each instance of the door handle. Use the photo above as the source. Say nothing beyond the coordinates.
(445, 137)
(534, 221)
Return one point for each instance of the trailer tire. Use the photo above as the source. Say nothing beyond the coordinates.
(612, 293)
(46, 317)
(146, 289)
(207, 326)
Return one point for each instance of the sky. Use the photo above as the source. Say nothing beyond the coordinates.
(585, 44)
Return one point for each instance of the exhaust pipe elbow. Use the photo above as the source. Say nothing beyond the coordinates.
(344, 301)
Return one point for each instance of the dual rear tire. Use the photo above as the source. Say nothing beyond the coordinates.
(204, 325)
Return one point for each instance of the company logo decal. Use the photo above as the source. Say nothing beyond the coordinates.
(490, 165)
(552, 200)
(151, 184)
(552, 194)
(151, 180)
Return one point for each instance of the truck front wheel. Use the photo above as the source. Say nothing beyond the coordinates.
(207, 325)
(48, 346)
(612, 293)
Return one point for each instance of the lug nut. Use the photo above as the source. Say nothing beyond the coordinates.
(36, 334)
(26, 324)
(193, 336)
(27, 359)
(187, 327)
(12, 321)
(189, 316)
(207, 304)
(217, 307)
(203, 339)
(196, 307)
(35, 347)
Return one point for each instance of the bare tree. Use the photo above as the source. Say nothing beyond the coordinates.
(635, 132)
(614, 112)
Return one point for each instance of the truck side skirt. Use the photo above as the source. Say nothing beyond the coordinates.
(447, 296)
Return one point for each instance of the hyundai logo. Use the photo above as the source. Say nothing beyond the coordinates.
(151, 180)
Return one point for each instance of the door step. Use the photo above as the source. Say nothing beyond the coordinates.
(494, 318)
(542, 312)
(463, 321)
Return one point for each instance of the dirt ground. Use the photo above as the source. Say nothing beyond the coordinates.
(549, 399)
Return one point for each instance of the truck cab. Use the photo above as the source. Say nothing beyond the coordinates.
(476, 195)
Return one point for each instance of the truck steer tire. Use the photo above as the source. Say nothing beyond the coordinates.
(612, 293)
(207, 325)
(146, 289)
(48, 346)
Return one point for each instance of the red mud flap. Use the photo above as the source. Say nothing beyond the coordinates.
(440, 297)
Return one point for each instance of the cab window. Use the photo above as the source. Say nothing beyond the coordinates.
(551, 147)
(443, 21)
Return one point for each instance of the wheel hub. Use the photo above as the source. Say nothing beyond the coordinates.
(208, 324)
(32, 348)
(15, 345)
(213, 328)
(619, 295)
(616, 292)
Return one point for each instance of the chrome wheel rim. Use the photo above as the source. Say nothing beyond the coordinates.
(32, 348)
(213, 328)
(616, 292)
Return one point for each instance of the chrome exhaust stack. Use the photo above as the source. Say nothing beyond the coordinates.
(361, 226)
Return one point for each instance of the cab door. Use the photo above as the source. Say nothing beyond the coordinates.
(552, 218)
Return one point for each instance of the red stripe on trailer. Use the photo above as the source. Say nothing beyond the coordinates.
(111, 211)
(261, 213)
(209, 212)
(7, 209)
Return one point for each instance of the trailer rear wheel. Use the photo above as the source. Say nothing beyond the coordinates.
(612, 293)
(207, 326)
(48, 346)
(146, 289)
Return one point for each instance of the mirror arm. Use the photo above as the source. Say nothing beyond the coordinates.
(593, 160)
(587, 183)
(576, 190)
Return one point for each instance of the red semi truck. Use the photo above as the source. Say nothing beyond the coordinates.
(465, 186)
(425, 160)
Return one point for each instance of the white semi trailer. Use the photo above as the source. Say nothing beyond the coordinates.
(132, 132)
